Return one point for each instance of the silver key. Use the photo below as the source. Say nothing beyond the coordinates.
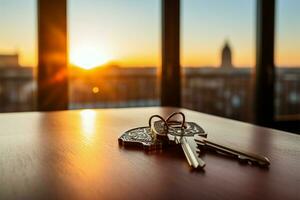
(188, 144)
(183, 134)
(189, 149)
(238, 153)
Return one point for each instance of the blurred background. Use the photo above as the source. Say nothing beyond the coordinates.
(114, 55)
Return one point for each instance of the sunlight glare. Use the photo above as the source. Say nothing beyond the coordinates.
(88, 119)
(88, 57)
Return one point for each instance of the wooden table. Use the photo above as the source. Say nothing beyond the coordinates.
(75, 155)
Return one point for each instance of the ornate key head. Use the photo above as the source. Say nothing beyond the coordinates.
(140, 137)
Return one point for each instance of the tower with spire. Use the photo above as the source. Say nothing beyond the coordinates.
(226, 57)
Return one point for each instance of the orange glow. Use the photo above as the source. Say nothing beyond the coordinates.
(88, 56)
(88, 124)
(95, 90)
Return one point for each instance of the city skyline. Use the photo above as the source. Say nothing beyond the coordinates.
(201, 39)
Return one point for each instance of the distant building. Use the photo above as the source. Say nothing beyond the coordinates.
(226, 57)
(9, 60)
(17, 86)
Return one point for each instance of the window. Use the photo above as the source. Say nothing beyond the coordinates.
(17, 55)
(114, 49)
(287, 59)
(218, 56)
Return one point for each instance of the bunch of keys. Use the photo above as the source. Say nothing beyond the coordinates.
(189, 135)
(176, 132)
(166, 132)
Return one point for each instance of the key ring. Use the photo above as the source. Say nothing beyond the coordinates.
(170, 122)
(166, 127)
(174, 122)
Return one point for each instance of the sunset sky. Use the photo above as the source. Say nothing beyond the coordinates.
(129, 31)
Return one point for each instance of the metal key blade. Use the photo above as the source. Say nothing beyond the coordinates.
(241, 154)
(190, 154)
(192, 146)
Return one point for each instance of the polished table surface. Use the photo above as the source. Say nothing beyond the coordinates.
(75, 155)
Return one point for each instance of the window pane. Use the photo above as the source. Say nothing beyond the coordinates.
(114, 51)
(287, 59)
(218, 56)
(17, 55)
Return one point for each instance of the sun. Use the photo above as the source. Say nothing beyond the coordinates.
(88, 57)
